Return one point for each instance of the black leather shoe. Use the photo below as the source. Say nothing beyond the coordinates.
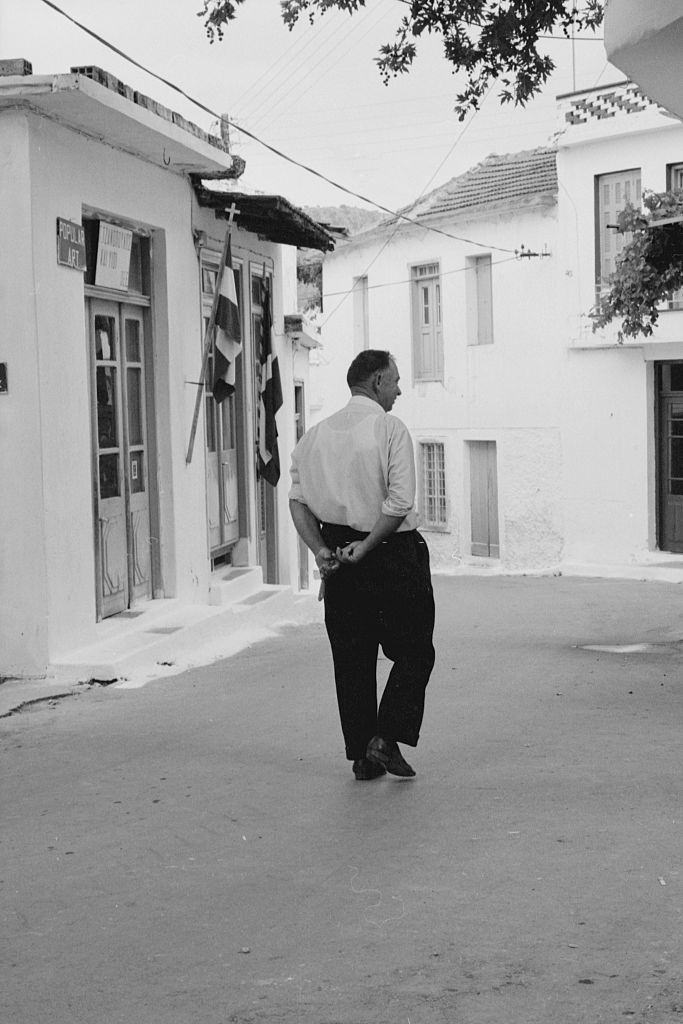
(386, 753)
(364, 770)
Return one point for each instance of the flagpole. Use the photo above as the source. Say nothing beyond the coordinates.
(209, 333)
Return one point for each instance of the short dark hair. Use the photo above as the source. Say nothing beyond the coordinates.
(367, 362)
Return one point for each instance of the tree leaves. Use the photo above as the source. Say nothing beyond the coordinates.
(488, 40)
(649, 269)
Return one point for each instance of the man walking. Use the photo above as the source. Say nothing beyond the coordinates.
(352, 501)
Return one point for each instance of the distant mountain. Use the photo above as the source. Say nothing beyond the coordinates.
(353, 218)
(310, 261)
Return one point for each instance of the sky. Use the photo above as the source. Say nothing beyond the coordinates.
(314, 93)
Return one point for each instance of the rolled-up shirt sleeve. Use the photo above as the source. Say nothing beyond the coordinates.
(400, 499)
(295, 492)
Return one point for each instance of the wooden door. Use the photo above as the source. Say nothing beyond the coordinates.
(110, 502)
(121, 474)
(671, 457)
(484, 499)
(136, 481)
(299, 430)
(266, 506)
(222, 489)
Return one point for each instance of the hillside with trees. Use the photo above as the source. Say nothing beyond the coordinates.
(352, 220)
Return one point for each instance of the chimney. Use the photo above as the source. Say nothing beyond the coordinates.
(18, 66)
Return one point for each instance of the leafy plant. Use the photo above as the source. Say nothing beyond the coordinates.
(649, 269)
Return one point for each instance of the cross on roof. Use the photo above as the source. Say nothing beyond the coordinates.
(231, 213)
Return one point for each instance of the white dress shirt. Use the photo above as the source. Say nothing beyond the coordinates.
(355, 464)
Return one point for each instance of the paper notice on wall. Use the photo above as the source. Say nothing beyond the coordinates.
(113, 256)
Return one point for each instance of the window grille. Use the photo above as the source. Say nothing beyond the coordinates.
(434, 506)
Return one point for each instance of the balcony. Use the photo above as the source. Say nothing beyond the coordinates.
(645, 41)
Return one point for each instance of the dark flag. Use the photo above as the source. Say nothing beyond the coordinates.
(270, 396)
(228, 341)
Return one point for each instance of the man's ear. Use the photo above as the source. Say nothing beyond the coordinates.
(378, 379)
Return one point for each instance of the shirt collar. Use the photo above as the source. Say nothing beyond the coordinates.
(363, 400)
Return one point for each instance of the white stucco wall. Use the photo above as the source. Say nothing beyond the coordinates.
(572, 412)
(47, 577)
(608, 388)
(70, 173)
(23, 571)
(505, 392)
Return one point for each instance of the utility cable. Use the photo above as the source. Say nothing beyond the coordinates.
(266, 145)
(304, 73)
(409, 280)
(390, 237)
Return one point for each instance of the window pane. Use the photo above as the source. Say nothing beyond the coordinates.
(134, 405)
(425, 306)
(433, 484)
(676, 457)
(137, 472)
(109, 476)
(135, 268)
(105, 338)
(210, 412)
(209, 276)
(677, 377)
(106, 407)
(132, 331)
(227, 416)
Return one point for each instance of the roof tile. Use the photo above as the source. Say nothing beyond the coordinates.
(499, 180)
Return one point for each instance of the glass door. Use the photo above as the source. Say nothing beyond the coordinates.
(121, 493)
(222, 488)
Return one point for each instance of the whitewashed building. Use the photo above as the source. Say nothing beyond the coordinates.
(460, 309)
(623, 467)
(540, 445)
(113, 239)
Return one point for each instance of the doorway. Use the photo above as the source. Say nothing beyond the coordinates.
(221, 420)
(299, 431)
(484, 499)
(120, 383)
(670, 456)
(266, 506)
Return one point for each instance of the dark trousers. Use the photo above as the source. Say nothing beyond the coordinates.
(385, 600)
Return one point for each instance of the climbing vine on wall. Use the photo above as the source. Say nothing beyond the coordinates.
(649, 269)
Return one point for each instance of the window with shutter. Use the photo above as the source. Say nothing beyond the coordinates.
(675, 184)
(614, 193)
(427, 326)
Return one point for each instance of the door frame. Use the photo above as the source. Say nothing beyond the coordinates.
(209, 260)
(665, 397)
(267, 551)
(120, 301)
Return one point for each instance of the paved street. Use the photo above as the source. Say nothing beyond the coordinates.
(196, 850)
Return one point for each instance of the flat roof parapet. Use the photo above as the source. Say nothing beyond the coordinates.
(114, 84)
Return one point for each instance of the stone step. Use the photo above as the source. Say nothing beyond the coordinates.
(163, 637)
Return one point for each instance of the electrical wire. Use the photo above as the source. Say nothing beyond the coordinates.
(261, 142)
(265, 79)
(409, 280)
(390, 237)
(305, 73)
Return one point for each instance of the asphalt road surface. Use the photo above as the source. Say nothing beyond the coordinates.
(197, 851)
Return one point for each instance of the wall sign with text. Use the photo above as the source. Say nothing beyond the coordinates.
(70, 244)
(113, 256)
